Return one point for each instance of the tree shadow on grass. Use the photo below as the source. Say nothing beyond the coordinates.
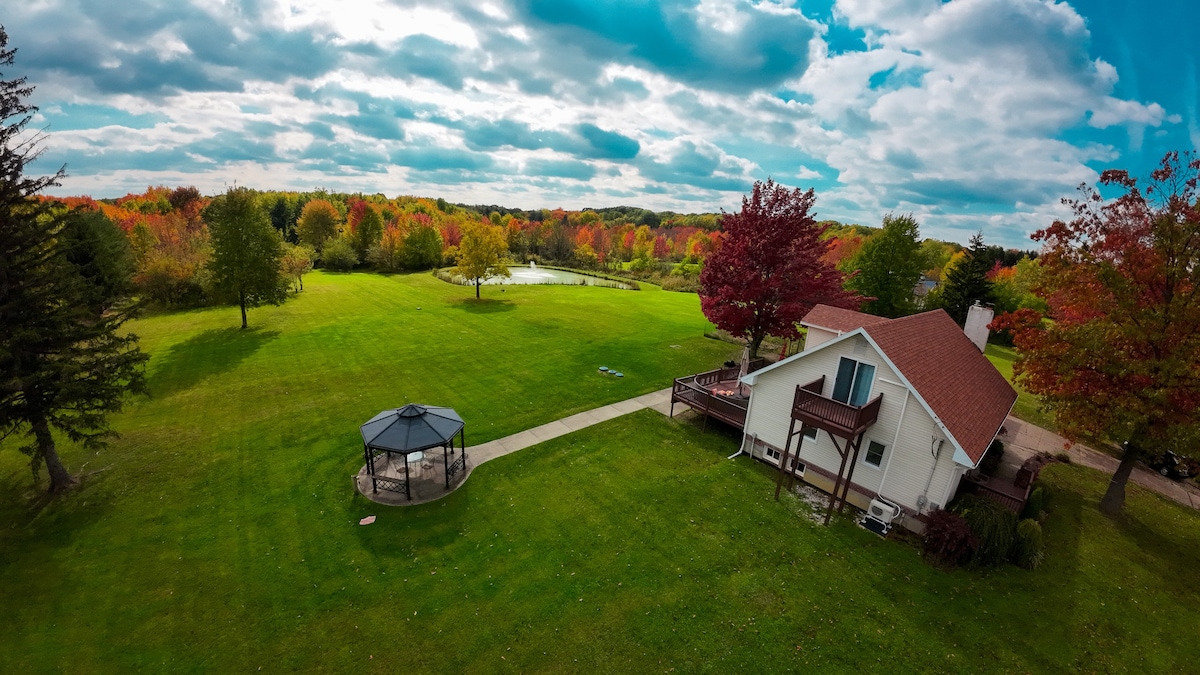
(484, 305)
(210, 353)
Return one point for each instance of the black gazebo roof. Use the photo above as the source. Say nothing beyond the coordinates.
(412, 428)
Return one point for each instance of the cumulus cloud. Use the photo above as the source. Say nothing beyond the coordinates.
(969, 113)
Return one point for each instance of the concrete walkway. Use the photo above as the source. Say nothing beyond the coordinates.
(1021, 442)
(1024, 440)
(484, 452)
(659, 400)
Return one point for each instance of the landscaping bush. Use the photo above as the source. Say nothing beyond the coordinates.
(994, 525)
(991, 460)
(339, 255)
(948, 539)
(1037, 504)
(1029, 548)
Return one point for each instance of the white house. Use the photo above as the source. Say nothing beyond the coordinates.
(897, 409)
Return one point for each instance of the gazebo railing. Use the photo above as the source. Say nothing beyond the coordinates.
(454, 467)
(390, 484)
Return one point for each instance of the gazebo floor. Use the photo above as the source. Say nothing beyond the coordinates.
(427, 479)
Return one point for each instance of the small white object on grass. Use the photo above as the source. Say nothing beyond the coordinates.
(367, 521)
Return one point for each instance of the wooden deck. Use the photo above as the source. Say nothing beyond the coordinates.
(715, 393)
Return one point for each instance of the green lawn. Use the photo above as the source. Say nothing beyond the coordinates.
(1027, 406)
(221, 534)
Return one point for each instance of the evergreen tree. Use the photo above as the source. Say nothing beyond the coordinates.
(966, 282)
(246, 251)
(63, 363)
(889, 267)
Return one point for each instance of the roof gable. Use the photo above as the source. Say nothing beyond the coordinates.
(956, 384)
(965, 391)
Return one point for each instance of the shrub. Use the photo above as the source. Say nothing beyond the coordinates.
(991, 460)
(994, 525)
(339, 255)
(948, 538)
(1037, 504)
(1063, 457)
(1029, 549)
(680, 283)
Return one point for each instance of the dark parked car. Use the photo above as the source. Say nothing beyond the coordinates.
(1172, 465)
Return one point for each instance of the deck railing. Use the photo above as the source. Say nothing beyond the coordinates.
(695, 391)
(811, 407)
(1007, 498)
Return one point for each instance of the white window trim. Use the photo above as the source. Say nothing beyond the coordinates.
(870, 389)
(882, 458)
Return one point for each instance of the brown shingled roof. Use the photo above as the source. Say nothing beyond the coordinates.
(961, 386)
(838, 319)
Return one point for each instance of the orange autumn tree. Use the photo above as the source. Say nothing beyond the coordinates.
(1119, 356)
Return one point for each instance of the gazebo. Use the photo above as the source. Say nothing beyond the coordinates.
(407, 431)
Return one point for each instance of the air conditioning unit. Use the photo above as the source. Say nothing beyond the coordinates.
(883, 511)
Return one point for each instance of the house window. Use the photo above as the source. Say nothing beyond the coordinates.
(811, 433)
(874, 455)
(772, 453)
(853, 383)
(797, 467)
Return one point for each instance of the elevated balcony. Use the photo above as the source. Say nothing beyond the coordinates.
(835, 417)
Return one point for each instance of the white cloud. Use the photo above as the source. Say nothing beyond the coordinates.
(958, 111)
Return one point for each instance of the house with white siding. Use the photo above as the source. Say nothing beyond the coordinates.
(895, 410)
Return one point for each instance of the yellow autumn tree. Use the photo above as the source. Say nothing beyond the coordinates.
(482, 253)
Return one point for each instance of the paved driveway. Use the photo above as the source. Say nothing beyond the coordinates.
(1024, 440)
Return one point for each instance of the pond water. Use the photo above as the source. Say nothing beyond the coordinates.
(532, 274)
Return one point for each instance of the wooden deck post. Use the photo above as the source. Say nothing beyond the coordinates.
(787, 446)
(853, 462)
(837, 483)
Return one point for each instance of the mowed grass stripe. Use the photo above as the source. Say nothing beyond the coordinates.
(224, 536)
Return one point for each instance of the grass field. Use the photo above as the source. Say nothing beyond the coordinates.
(1027, 406)
(221, 534)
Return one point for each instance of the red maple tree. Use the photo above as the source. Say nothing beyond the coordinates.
(769, 269)
(1119, 358)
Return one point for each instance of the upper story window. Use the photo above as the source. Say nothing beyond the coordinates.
(853, 384)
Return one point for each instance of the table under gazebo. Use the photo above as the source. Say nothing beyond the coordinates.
(402, 436)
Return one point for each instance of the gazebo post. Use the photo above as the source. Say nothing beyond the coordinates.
(446, 462)
(370, 467)
(407, 485)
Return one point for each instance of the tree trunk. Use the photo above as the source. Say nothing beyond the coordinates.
(1114, 497)
(242, 302)
(754, 343)
(477, 289)
(60, 480)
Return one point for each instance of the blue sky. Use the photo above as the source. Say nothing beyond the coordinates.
(970, 114)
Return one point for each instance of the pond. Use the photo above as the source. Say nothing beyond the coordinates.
(532, 274)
